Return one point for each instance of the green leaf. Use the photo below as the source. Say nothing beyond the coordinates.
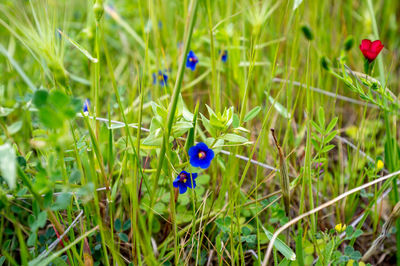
(332, 124)
(316, 127)
(191, 134)
(284, 249)
(123, 237)
(234, 138)
(357, 233)
(252, 113)
(59, 262)
(299, 247)
(224, 224)
(246, 231)
(327, 148)
(330, 136)
(79, 47)
(8, 164)
(207, 125)
(321, 117)
(50, 118)
(235, 121)
(75, 176)
(280, 108)
(187, 115)
(62, 202)
(152, 140)
(296, 4)
(14, 128)
(218, 244)
(117, 225)
(203, 179)
(40, 221)
(59, 99)
(127, 224)
(40, 98)
(328, 251)
(5, 111)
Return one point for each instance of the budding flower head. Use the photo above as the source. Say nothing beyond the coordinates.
(340, 228)
(379, 165)
(98, 10)
(224, 55)
(325, 63)
(307, 32)
(348, 43)
(86, 106)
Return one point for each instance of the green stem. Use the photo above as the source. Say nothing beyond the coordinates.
(172, 106)
(393, 155)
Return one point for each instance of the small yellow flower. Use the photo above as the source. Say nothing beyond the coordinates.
(340, 228)
(379, 165)
(351, 263)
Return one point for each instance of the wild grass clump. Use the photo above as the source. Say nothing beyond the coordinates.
(199, 132)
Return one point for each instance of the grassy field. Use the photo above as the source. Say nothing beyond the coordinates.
(199, 132)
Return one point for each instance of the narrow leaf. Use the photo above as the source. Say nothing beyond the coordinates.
(79, 47)
(279, 107)
(253, 113)
(8, 164)
(284, 249)
(296, 4)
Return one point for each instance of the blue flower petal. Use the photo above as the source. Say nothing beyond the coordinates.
(205, 164)
(86, 106)
(191, 60)
(202, 146)
(194, 155)
(189, 184)
(193, 151)
(176, 182)
(182, 188)
(210, 154)
(224, 56)
(195, 161)
(154, 79)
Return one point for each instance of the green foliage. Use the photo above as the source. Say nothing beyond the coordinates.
(287, 68)
(323, 136)
(55, 107)
(8, 165)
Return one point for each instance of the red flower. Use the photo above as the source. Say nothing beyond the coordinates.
(370, 49)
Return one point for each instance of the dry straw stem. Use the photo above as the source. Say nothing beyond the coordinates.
(385, 231)
(323, 206)
(284, 180)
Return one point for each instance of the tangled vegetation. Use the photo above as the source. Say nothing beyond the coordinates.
(199, 132)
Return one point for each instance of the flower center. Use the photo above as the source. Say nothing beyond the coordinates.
(160, 77)
(202, 155)
(192, 59)
(183, 178)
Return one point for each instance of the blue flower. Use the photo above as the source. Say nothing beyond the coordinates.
(224, 55)
(192, 60)
(161, 77)
(86, 106)
(185, 180)
(200, 155)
